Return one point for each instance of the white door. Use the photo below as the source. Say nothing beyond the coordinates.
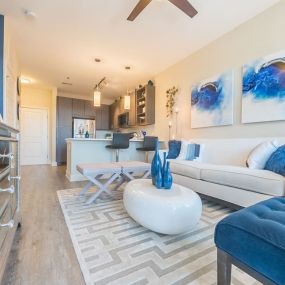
(34, 136)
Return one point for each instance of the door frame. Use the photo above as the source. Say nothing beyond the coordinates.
(48, 159)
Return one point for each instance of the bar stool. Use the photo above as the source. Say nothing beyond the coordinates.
(120, 141)
(148, 145)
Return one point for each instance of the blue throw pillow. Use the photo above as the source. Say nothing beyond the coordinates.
(276, 161)
(193, 151)
(174, 149)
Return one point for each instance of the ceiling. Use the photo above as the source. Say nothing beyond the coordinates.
(67, 35)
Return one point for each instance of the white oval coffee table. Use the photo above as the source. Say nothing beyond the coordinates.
(171, 212)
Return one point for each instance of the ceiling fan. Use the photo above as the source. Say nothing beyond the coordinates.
(183, 5)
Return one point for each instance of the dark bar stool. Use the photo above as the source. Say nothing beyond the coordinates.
(120, 141)
(148, 145)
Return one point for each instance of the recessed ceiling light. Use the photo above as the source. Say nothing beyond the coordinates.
(30, 13)
(25, 81)
(67, 77)
(97, 59)
(127, 67)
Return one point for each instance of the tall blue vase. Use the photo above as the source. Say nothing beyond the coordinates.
(159, 179)
(167, 177)
(155, 164)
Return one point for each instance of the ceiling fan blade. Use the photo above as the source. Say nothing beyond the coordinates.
(138, 9)
(185, 6)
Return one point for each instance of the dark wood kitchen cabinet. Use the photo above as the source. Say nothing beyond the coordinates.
(63, 127)
(78, 108)
(64, 111)
(67, 109)
(103, 117)
(61, 149)
(114, 112)
(89, 109)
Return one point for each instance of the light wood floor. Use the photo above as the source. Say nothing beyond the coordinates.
(42, 252)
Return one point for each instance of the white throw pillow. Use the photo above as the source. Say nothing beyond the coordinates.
(183, 150)
(260, 154)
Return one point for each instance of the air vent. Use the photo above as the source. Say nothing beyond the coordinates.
(66, 83)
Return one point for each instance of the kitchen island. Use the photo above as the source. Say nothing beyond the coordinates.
(81, 150)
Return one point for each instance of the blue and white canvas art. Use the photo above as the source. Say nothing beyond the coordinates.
(212, 102)
(263, 97)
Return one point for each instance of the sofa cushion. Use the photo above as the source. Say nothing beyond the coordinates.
(256, 180)
(255, 237)
(260, 154)
(183, 150)
(276, 162)
(187, 168)
(174, 149)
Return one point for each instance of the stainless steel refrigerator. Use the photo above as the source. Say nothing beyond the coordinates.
(84, 128)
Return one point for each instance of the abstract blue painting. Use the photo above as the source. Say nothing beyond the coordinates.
(263, 89)
(212, 101)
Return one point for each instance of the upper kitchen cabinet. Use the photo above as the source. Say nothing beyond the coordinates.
(114, 112)
(103, 117)
(145, 105)
(78, 108)
(64, 112)
(90, 110)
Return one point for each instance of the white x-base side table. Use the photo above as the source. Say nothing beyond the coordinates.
(118, 172)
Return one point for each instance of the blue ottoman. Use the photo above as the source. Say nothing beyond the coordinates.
(253, 239)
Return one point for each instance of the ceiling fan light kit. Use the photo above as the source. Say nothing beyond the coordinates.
(183, 5)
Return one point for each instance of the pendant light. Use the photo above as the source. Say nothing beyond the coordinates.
(127, 102)
(97, 93)
(127, 97)
(97, 98)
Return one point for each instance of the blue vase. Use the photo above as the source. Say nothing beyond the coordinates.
(155, 164)
(167, 177)
(163, 167)
(158, 179)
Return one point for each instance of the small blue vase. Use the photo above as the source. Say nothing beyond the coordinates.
(167, 177)
(155, 164)
(163, 167)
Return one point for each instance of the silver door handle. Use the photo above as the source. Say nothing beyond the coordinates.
(14, 178)
(8, 155)
(10, 224)
(10, 190)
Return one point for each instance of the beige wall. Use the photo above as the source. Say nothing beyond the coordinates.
(42, 98)
(11, 72)
(257, 37)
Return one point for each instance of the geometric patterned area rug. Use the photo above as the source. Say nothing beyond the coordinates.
(113, 249)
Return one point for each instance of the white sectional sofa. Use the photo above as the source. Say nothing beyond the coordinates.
(221, 172)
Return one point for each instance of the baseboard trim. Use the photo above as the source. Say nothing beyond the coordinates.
(75, 177)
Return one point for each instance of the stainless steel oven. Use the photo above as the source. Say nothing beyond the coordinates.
(9, 189)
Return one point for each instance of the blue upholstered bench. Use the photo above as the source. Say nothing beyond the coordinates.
(253, 239)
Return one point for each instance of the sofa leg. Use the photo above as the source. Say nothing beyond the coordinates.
(224, 268)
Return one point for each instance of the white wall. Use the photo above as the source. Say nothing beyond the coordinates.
(257, 37)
